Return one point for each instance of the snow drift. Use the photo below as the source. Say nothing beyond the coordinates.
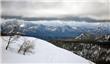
(44, 52)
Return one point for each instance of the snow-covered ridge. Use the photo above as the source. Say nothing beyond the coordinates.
(55, 22)
(44, 52)
(55, 28)
(58, 23)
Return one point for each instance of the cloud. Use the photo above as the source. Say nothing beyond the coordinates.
(48, 8)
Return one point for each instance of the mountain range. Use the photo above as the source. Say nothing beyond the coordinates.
(48, 30)
(62, 18)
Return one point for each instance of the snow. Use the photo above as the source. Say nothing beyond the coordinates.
(44, 52)
(22, 25)
(56, 23)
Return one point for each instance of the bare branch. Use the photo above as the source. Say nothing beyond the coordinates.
(27, 46)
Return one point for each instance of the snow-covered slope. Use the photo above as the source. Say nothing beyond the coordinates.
(44, 52)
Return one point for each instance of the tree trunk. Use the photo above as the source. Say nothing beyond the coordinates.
(24, 51)
(20, 49)
(8, 42)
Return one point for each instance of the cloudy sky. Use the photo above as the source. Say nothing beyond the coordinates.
(57, 8)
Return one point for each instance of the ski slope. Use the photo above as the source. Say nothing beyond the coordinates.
(44, 52)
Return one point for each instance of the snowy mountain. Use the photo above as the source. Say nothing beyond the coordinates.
(43, 52)
(57, 29)
(84, 36)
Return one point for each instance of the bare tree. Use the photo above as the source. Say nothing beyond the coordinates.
(27, 46)
(11, 38)
(13, 31)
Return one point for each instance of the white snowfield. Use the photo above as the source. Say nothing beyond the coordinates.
(44, 52)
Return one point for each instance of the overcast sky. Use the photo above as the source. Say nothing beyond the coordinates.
(57, 8)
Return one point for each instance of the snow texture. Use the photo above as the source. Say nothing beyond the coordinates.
(44, 52)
